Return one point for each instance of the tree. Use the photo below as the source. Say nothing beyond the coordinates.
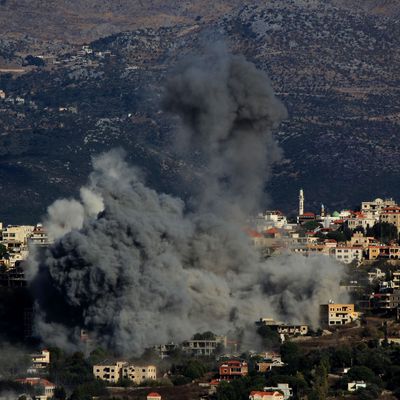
(291, 355)
(383, 231)
(3, 250)
(270, 336)
(59, 393)
(311, 225)
(361, 373)
(194, 369)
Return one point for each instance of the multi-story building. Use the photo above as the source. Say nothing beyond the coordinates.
(109, 371)
(359, 240)
(39, 236)
(360, 219)
(138, 374)
(337, 314)
(39, 361)
(396, 279)
(204, 347)
(233, 369)
(165, 350)
(391, 215)
(386, 300)
(270, 219)
(17, 233)
(373, 208)
(114, 371)
(347, 254)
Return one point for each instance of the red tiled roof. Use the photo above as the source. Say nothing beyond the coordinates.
(154, 394)
(252, 233)
(271, 231)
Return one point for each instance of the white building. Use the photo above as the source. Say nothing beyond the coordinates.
(355, 385)
(270, 219)
(347, 254)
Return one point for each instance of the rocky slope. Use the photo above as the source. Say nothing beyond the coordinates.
(335, 68)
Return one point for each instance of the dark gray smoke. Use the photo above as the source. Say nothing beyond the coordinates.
(228, 111)
(145, 270)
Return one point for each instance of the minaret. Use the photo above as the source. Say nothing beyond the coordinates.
(301, 202)
(322, 211)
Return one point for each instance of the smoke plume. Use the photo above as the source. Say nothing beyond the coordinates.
(228, 111)
(146, 270)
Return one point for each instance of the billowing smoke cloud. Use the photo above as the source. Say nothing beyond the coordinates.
(146, 270)
(228, 111)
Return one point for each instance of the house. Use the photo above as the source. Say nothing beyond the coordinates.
(273, 395)
(2, 94)
(337, 314)
(47, 386)
(355, 385)
(153, 396)
(281, 387)
(233, 369)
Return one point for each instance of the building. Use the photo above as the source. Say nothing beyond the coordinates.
(138, 374)
(386, 300)
(347, 254)
(391, 215)
(396, 279)
(272, 395)
(48, 387)
(2, 94)
(270, 219)
(355, 385)
(376, 275)
(373, 208)
(109, 371)
(40, 361)
(360, 220)
(153, 396)
(113, 372)
(39, 236)
(17, 233)
(282, 387)
(233, 369)
(165, 350)
(359, 240)
(204, 347)
(337, 314)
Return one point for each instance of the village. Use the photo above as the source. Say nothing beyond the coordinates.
(208, 365)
